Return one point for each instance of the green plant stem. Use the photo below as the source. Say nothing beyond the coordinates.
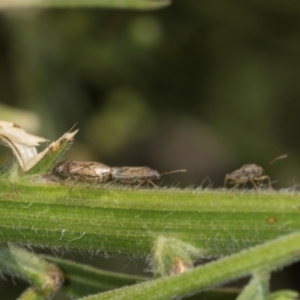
(82, 280)
(127, 220)
(45, 277)
(284, 295)
(31, 294)
(257, 288)
(268, 256)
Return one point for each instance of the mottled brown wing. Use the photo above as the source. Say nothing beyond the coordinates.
(85, 170)
(81, 168)
(130, 173)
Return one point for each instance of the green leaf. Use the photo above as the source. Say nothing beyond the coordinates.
(172, 256)
(47, 159)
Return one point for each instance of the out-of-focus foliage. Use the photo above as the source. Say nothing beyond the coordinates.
(206, 86)
(120, 4)
(202, 85)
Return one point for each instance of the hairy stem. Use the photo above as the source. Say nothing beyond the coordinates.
(267, 257)
(45, 277)
(127, 220)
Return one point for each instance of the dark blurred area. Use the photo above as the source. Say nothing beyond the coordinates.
(207, 86)
(202, 85)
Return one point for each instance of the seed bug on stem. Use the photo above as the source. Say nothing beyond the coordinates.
(139, 175)
(85, 171)
(249, 172)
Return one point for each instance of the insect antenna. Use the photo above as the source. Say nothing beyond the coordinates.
(278, 158)
(175, 171)
(275, 159)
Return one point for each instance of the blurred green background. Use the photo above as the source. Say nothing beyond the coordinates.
(202, 85)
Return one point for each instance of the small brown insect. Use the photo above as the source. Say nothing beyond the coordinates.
(249, 172)
(86, 171)
(137, 175)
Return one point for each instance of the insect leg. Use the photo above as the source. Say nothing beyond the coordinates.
(269, 182)
(254, 184)
(149, 181)
(265, 177)
(235, 186)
